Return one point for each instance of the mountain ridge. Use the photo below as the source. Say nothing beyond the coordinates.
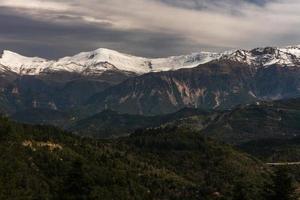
(215, 85)
(101, 60)
(98, 78)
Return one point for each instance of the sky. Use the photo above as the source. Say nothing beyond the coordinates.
(149, 28)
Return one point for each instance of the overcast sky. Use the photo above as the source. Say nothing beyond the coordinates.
(152, 28)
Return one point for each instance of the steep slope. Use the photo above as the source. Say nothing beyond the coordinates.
(45, 163)
(215, 85)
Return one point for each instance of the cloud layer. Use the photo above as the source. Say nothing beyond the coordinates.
(153, 28)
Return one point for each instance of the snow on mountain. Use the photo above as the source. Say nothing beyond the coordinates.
(105, 59)
(23, 65)
(293, 50)
(286, 56)
(101, 60)
(185, 61)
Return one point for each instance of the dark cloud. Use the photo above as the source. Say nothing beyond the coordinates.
(53, 40)
(153, 28)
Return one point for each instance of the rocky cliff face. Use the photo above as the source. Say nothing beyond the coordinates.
(216, 85)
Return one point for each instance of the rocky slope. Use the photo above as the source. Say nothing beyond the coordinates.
(219, 84)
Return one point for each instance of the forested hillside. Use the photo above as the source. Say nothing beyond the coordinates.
(40, 162)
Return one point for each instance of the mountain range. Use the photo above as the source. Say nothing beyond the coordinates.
(188, 127)
(90, 82)
(99, 61)
(102, 60)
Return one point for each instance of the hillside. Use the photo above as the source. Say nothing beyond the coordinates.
(39, 162)
(266, 120)
(244, 123)
(274, 150)
(108, 124)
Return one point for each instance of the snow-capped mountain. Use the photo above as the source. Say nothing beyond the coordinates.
(106, 79)
(287, 56)
(23, 65)
(102, 60)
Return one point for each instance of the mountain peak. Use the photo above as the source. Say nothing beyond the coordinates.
(107, 51)
(22, 64)
(10, 55)
(266, 56)
(7, 54)
(100, 60)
